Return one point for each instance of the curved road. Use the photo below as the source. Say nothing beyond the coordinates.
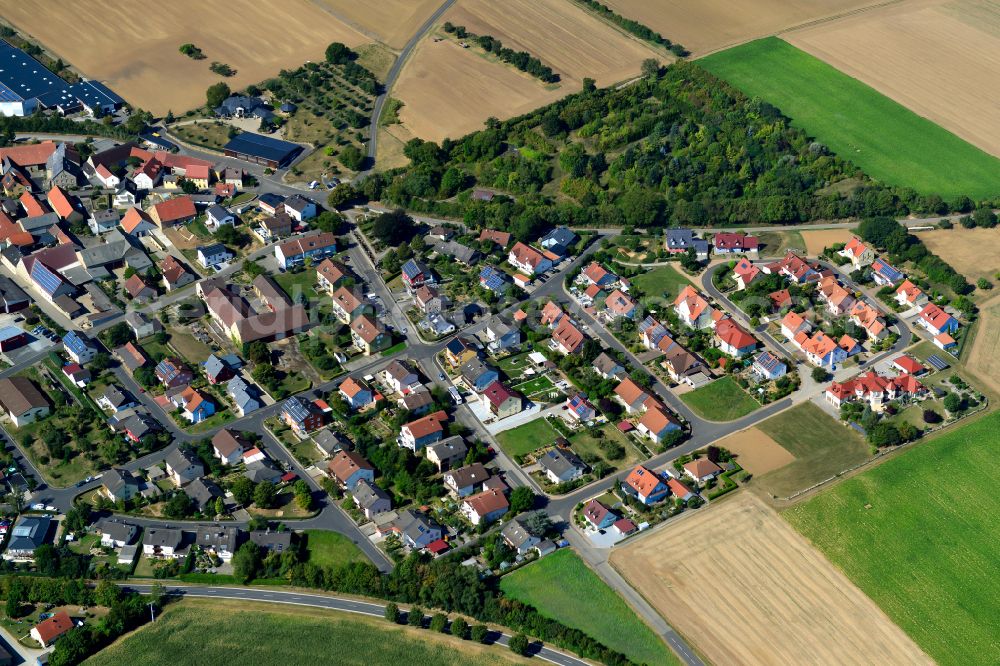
(334, 603)
(390, 80)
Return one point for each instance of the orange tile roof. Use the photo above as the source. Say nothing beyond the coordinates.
(733, 334)
(60, 202)
(133, 218)
(175, 209)
(692, 302)
(32, 207)
(28, 155)
(643, 480)
(629, 391)
(568, 335)
(54, 627)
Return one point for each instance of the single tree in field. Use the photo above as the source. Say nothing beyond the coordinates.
(216, 94)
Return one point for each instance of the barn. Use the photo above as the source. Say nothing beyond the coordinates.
(260, 149)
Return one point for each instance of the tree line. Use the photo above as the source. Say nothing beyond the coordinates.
(902, 246)
(523, 60)
(640, 30)
(680, 147)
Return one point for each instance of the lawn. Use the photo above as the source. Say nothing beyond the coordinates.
(331, 548)
(662, 282)
(822, 447)
(919, 535)
(188, 347)
(562, 587)
(885, 139)
(586, 443)
(273, 635)
(535, 385)
(300, 282)
(514, 365)
(526, 438)
(722, 400)
(777, 243)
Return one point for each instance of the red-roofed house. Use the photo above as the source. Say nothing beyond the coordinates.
(48, 631)
(701, 470)
(485, 507)
(631, 395)
(679, 490)
(861, 255)
(733, 339)
(645, 485)
(936, 320)
(744, 272)
(568, 337)
(598, 515)
(62, 206)
(657, 423)
(869, 319)
(735, 243)
(910, 294)
(502, 401)
(909, 365)
(792, 324)
(415, 435)
(173, 212)
(551, 314)
(528, 260)
(820, 349)
(619, 304)
(875, 389)
(31, 205)
(136, 222)
(692, 309)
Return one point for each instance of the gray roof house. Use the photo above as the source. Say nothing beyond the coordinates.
(246, 396)
(415, 529)
(518, 536)
(203, 492)
(502, 334)
(478, 375)
(559, 240)
(221, 541)
(679, 240)
(119, 484)
(371, 499)
(116, 399)
(262, 470)
(183, 466)
(463, 481)
(28, 534)
(116, 533)
(329, 442)
(460, 253)
(607, 367)
(561, 465)
(446, 453)
(277, 542)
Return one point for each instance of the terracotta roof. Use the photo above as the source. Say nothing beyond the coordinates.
(54, 627)
(855, 247)
(351, 387)
(175, 209)
(568, 335)
(793, 321)
(331, 270)
(197, 171)
(35, 154)
(643, 480)
(487, 502)
(367, 329)
(630, 392)
(733, 334)
(819, 344)
(346, 299)
(746, 270)
(134, 285)
(133, 218)
(780, 298)
(692, 302)
(678, 488)
(297, 246)
(908, 364)
(60, 202)
(656, 420)
(735, 241)
(32, 207)
(346, 463)
(525, 254)
(595, 272)
(701, 467)
(427, 424)
(501, 238)
(550, 313)
(912, 291)
(934, 316)
(619, 303)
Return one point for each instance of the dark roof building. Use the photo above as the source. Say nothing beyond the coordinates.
(260, 149)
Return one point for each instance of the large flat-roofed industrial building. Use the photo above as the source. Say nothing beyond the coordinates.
(260, 149)
(26, 85)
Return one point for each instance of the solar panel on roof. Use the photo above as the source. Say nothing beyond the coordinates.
(938, 362)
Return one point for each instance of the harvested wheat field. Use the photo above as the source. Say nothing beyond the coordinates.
(448, 91)
(820, 239)
(710, 25)
(746, 588)
(974, 253)
(935, 57)
(756, 452)
(983, 359)
(137, 53)
(573, 42)
(390, 21)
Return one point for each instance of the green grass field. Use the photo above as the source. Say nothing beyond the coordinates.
(198, 631)
(722, 400)
(528, 437)
(562, 587)
(926, 549)
(661, 282)
(331, 548)
(883, 138)
(822, 447)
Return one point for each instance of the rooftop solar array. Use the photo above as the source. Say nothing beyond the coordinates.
(23, 78)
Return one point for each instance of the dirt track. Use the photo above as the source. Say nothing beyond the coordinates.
(746, 588)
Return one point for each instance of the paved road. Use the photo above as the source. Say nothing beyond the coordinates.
(342, 604)
(390, 80)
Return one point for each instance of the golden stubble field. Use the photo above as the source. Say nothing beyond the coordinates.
(974, 253)
(710, 25)
(449, 91)
(938, 58)
(746, 588)
(755, 451)
(390, 21)
(818, 240)
(133, 47)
